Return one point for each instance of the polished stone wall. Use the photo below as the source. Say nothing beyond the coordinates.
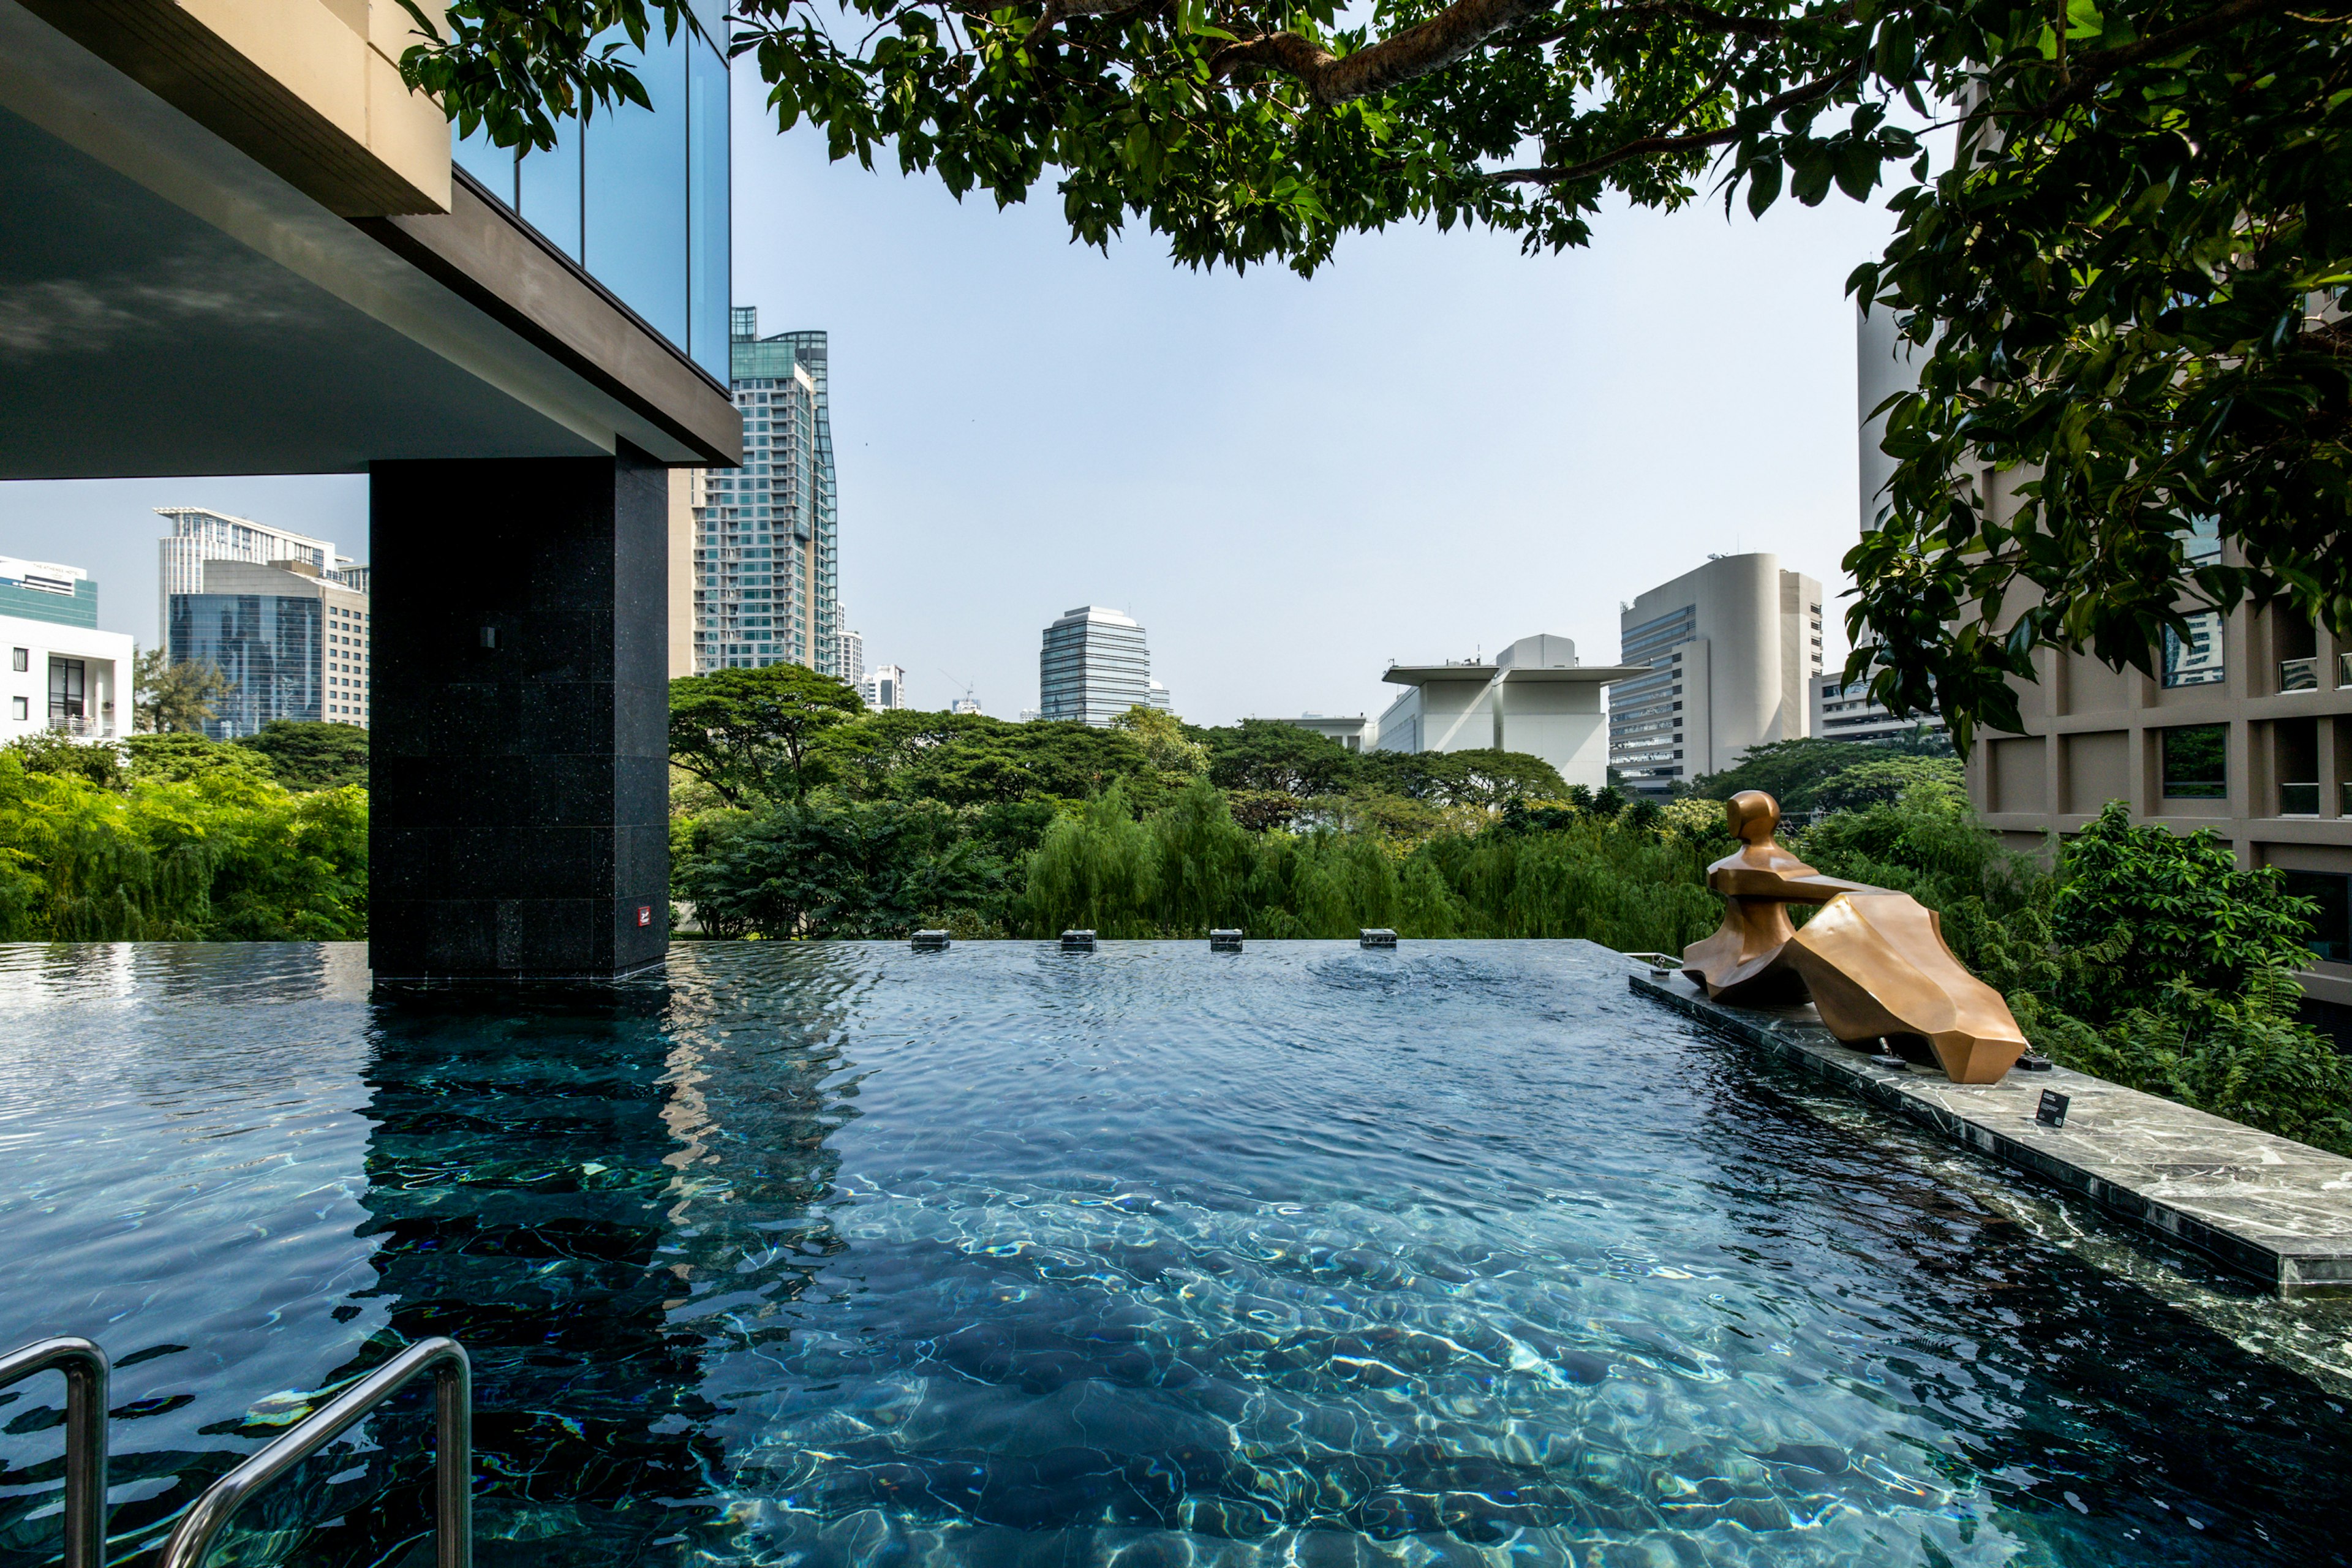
(520, 744)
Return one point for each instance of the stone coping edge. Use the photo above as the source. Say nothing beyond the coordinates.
(2287, 1266)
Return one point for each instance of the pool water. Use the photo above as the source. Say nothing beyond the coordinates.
(845, 1257)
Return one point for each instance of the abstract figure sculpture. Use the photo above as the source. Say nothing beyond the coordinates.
(1871, 959)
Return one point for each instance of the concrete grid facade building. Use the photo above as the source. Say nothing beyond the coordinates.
(1731, 649)
(1094, 666)
(293, 645)
(766, 546)
(2245, 728)
(63, 675)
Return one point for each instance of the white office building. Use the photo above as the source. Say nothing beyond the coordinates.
(1729, 651)
(1356, 731)
(884, 687)
(200, 535)
(1534, 697)
(63, 674)
(1094, 666)
(849, 658)
(1842, 713)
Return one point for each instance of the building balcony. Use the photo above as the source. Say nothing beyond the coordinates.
(80, 727)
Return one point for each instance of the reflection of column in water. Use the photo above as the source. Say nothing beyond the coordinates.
(518, 1182)
(607, 1197)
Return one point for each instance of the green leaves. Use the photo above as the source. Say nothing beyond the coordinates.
(2124, 302)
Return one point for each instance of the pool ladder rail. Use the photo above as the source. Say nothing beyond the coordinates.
(85, 1371)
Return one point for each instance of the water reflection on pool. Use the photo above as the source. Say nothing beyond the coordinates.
(833, 1256)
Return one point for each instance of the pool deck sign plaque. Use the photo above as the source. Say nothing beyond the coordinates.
(2051, 1111)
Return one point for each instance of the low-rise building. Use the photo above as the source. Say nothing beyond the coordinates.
(1535, 697)
(63, 675)
(1357, 733)
(1839, 711)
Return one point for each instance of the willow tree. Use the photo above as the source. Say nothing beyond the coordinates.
(2123, 292)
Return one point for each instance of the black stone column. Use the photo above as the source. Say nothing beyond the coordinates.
(521, 759)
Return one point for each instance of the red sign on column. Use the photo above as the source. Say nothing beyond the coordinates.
(645, 914)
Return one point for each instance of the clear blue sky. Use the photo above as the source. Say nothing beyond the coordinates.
(1437, 446)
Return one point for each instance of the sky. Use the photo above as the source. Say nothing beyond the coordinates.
(1435, 446)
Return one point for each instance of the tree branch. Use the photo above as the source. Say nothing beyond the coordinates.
(1416, 52)
(1651, 146)
(2089, 70)
(1056, 12)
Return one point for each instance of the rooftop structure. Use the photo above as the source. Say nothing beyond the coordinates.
(1535, 697)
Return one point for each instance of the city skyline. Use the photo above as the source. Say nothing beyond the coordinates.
(1610, 417)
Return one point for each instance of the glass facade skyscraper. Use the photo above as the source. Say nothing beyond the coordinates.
(292, 646)
(1093, 668)
(766, 543)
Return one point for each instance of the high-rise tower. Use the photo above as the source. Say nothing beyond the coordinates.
(766, 547)
(1094, 666)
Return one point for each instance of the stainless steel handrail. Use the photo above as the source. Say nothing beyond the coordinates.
(452, 1460)
(85, 1367)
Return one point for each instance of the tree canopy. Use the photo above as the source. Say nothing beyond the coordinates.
(748, 732)
(308, 755)
(2123, 294)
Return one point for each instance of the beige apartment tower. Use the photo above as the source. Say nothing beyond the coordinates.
(1728, 651)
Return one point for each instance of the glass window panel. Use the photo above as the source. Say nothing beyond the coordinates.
(547, 189)
(2331, 927)
(2196, 762)
(2196, 659)
(494, 166)
(633, 221)
(707, 206)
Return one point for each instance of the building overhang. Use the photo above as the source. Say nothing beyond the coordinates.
(178, 301)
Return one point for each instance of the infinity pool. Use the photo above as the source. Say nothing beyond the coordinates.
(845, 1256)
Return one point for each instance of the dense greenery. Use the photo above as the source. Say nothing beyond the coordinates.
(2148, 958)
(308, 755)
(1811, 774)
(192, 840)
(175, 698)
(2120, 292)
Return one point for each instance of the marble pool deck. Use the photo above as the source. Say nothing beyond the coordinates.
(2268, 1208)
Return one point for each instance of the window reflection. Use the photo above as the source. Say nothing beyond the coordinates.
(639, 197)
(547, 189)
(633, 220)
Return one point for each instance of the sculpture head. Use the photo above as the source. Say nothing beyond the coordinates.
(1753, 815)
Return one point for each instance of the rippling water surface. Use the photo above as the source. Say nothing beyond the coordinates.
(844, 1256)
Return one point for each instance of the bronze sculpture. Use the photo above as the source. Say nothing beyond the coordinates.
(1872, 960)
